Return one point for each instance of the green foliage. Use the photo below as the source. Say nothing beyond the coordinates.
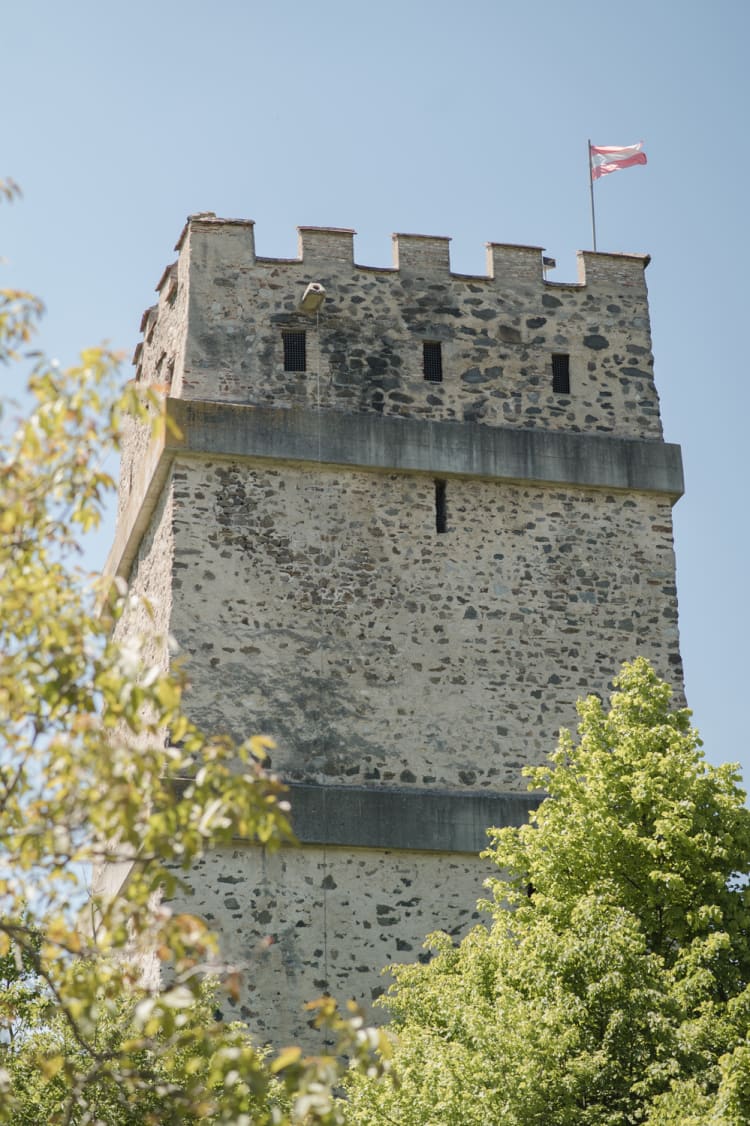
(99, 766)
(612, 983)
(164, 1063)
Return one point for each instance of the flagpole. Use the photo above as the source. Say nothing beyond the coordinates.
(591, 189)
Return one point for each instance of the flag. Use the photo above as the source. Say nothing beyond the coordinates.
(604, 159)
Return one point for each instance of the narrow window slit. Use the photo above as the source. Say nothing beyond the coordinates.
(432, 361)
(295, 351)
(561, 374)
(441, 507)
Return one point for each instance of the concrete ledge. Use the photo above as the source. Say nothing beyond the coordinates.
(417, 820)
(391, 445)
(375, 442)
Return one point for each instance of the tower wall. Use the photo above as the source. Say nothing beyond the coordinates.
(407, 583)
(324, 608)
(323, 918)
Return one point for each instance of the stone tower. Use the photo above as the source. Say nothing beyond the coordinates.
(409, 518)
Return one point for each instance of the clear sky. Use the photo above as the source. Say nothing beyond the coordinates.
(465, 119)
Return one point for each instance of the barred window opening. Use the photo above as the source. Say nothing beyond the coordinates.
(441, 507)
(561, 374)
(295, 351)
(432, 361)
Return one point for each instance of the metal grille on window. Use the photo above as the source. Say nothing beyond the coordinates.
(295, 352)
(561, 374)
(432, 360)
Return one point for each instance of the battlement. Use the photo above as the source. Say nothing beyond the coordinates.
(415, 253)
(508, 348)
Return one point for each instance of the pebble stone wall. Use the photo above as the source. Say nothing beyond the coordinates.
(323, 606)
(308, 921)
(216, 333)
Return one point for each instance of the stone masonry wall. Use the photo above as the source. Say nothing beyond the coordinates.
(148, 614)
(302, 922)
(162, 349)
(324, 608)
(364, 352)
(498, 334)
(146, 618)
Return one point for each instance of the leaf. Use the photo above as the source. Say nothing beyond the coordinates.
(50, 1066)
(285, 1058)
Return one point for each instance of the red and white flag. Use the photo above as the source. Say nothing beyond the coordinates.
(604, 159)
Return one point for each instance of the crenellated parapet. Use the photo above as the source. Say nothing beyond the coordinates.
(413, 341)
(415, 253)
(218, 331)
(234, 242)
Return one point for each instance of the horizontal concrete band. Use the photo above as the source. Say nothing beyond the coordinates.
(417, 820)
(378, 442)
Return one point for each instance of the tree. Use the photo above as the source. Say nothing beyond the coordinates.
(98, 765)
(612, 983)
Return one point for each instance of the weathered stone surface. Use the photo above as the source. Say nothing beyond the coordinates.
(544, 457)
(235, 305)
(423, 820)
(327, 919)
(288, 539)
(339, 622)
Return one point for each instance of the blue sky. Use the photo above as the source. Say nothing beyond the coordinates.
(467, 120)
